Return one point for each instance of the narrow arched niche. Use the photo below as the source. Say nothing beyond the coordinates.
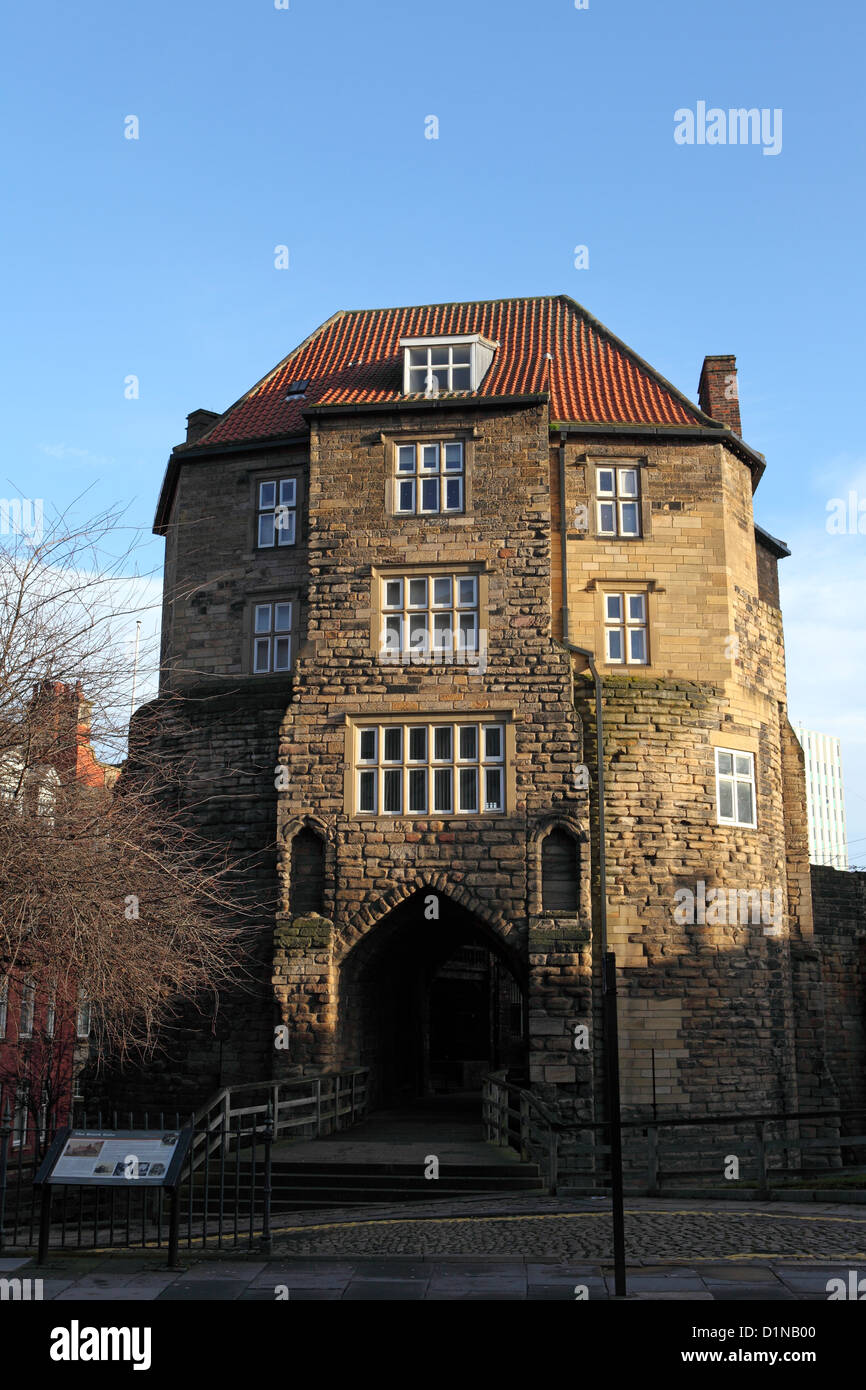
(560, 876)
(307, 874)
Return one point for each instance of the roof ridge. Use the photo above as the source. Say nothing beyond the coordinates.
(456, 303)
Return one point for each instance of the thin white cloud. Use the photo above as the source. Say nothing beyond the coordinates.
(66, 452)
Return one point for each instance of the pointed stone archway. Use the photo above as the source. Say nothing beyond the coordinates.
(430, 998)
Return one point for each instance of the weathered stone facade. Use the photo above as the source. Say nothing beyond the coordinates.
(715, 1007)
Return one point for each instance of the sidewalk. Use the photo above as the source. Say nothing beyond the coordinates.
(526, 1247)
(79, 1279)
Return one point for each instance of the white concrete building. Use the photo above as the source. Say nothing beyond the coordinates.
(825, 799)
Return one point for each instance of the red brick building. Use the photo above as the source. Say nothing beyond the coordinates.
(44, 1023)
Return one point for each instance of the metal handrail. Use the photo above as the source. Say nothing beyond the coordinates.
(505, 1102)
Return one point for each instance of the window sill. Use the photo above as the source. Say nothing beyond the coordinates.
(440, 821)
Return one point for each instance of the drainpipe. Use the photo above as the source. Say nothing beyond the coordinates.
(563, 549)
(610, 1030)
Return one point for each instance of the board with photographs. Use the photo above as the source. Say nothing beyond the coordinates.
(116, 1157)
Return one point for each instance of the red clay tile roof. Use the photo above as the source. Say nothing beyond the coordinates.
(355, 358)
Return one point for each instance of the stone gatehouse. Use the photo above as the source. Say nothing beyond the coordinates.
(379, 565)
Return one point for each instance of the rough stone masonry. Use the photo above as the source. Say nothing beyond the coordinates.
(400, 816)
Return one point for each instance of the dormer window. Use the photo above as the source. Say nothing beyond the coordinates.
(436, 366)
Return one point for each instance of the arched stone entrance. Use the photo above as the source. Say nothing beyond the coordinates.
(430, 999)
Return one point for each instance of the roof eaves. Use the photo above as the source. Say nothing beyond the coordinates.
(194, 452)
(426, 403)
(777, 547)
(714, 431)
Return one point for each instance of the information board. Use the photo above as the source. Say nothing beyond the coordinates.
(116, 1157)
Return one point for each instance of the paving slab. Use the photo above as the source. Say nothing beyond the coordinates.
(480, 1284)
(203, 1289)
(380, 1291)
(113, 1294)
(225, 1269)
(366, 1276)
(308, 1295)
(467, 1266)
(650, 1283)
(694, 1296)
(550, 1293)
(441, 1296)
(732, 1274)
(751, 1293)
(52, 1288)
(304, 1271)
(306, 1282)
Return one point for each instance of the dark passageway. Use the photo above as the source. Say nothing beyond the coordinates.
(431, 1004)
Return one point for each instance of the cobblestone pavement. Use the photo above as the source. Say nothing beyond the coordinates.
(552, 1228)
(526, 1248)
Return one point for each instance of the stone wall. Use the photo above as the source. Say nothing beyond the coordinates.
(488, 864)
(711, 999)
(216, 749)
(832, 993)
(737, 1010)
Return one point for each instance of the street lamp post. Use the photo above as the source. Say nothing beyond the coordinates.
(608, 1003)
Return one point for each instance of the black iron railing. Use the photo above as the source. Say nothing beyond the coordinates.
(223, 1199)
(747, 1152)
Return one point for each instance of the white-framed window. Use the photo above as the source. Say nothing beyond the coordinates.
(82, 1016)
(625, 629)
(277, 512)
(430, 769)
(447, 367)
(51, 1011)
(272, 637)
(4, 1004)
(429, 477)
(735, 787)
(617, 492)
(28, 1009)
(428, 616)
(451, 362)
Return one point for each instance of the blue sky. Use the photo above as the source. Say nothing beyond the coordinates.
(305, 127)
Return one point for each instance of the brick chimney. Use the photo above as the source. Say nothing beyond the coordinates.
(198, 423)
(717, 391)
